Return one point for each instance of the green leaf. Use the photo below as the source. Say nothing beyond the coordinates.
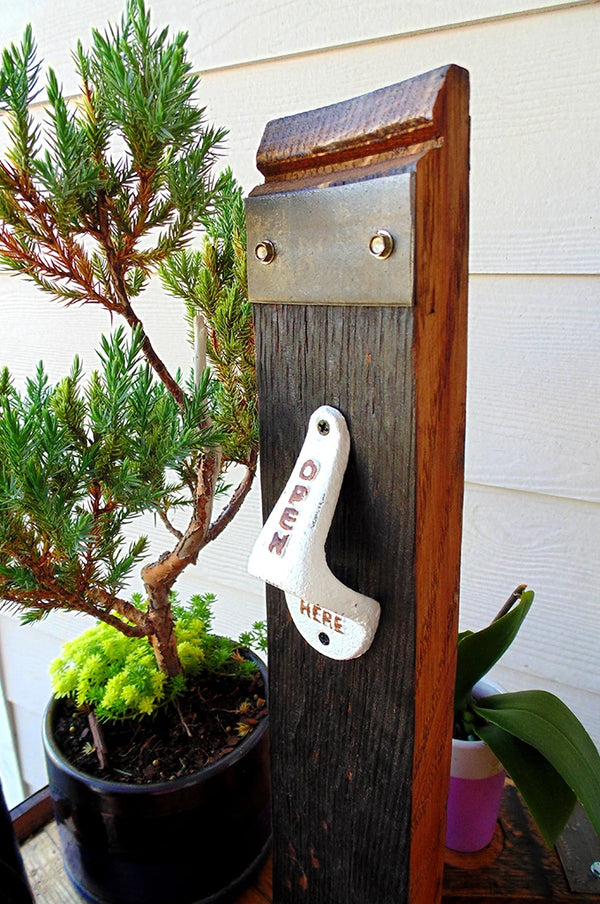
(548, 797)
(479, 651)
(543, 721)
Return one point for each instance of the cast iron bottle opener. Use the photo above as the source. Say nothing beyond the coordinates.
(290, 550)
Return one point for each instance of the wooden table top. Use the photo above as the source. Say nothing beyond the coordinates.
(514, 869)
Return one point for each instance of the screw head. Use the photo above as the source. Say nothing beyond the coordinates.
(381, 244)
(323, 427)
(265, 252)
(595, 868)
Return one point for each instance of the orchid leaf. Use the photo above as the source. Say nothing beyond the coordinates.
(543, 721)
(479, 651)
(548, 797)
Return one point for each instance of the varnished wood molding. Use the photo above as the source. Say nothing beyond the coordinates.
(373, 125)
(32, 814)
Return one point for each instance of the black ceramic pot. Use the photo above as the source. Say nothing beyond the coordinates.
(193, 840)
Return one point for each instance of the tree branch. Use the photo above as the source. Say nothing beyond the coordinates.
(156, 363)
(67, 260)
(235, 503)
(94, 601)
(170, 527)
(169, 566)
(125, 609)
(41, 603)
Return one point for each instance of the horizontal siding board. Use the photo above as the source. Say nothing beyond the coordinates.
(535, 195)
(236, 32)
(27, 651)
(533, 406)
(551, 544)
(34, 327)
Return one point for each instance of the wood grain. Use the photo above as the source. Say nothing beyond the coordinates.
(44, 867)
(515, 869)
(32, 814)
(337, 725)
(361, 748)
(394, 117)
(440, 355)
(521, 870)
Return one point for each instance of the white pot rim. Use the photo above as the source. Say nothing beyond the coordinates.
(474, 759)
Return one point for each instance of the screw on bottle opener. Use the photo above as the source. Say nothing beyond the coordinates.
(290, 550)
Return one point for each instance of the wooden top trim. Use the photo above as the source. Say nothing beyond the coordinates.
(390, 118)
(32, 814)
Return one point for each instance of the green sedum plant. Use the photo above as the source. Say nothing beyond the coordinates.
(118, 677)
(542, 745)
(107, 194)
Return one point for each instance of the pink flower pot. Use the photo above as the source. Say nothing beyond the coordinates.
(476, 784)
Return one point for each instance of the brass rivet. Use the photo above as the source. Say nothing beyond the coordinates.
(265, 252)
(381, 244)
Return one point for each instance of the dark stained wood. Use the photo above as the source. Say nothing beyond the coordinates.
(361, 748)
(340, 768)
(516, 868)
(578, 847)
(32, 814)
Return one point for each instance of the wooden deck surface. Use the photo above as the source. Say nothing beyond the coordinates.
(50, 885)
(515, 869)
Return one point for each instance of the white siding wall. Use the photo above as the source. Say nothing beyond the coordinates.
(532, 509)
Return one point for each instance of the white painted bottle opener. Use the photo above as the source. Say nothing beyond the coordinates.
(290, 550)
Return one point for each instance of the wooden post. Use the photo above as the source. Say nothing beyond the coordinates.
(361, 748)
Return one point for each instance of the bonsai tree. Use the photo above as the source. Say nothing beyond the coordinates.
(108, 193)
(541, 744)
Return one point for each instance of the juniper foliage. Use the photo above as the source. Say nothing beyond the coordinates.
(78, 461)
(133, 207)
(213, 283)
(112, 189)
